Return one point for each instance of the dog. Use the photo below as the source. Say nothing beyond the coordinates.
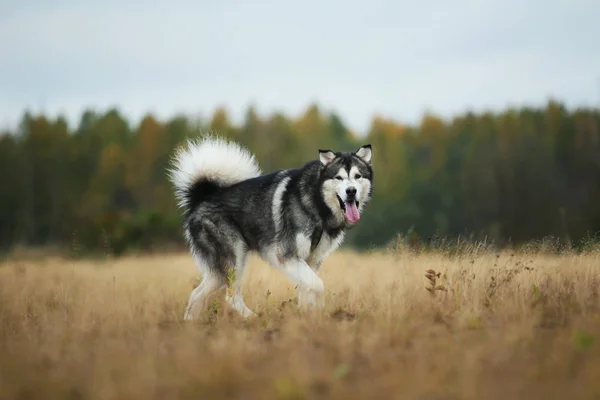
(292, 218)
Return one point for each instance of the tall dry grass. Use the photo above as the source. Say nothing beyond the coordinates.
(493, 326)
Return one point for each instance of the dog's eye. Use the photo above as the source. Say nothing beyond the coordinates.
(339, 178)
(357, 176)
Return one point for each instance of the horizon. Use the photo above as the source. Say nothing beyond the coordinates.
(205, 117)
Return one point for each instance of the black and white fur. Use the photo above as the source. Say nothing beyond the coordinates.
(292, 218)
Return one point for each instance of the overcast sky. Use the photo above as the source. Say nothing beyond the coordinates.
(396, 58)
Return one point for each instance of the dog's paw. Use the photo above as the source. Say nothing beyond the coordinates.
(188, 316)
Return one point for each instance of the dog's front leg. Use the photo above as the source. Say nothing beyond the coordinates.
(315, 266)
(310, 286)
(309, 298)
(306, 297)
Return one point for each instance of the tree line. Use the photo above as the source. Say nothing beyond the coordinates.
(509, 177)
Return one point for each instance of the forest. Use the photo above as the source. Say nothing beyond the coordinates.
(507, 177)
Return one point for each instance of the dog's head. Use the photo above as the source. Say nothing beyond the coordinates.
(347, 182)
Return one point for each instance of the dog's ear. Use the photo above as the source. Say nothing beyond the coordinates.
(365, 153)
(326, 156)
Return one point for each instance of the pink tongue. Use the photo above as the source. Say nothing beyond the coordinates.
(352, 212)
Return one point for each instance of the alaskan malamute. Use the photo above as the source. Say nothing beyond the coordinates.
(292, 218)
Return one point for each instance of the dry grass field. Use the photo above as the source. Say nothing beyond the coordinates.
(498, 326)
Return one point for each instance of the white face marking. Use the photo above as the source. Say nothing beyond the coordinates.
(352, 180)
(337, 186)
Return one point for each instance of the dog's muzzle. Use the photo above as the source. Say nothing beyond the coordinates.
(343, 204)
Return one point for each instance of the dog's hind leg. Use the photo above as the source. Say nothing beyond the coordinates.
(221, 254)
(234, 282)
(210, 283)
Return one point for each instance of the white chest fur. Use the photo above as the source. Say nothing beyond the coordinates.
(325, 246)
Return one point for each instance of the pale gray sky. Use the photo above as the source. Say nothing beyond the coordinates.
(396, 58)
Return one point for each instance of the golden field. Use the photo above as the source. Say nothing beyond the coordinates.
(500, 326)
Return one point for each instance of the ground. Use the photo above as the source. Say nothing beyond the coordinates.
(491, 326)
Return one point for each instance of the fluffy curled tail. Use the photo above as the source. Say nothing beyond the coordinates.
(203, 165)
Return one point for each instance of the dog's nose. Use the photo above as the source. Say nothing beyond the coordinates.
(351, 191)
